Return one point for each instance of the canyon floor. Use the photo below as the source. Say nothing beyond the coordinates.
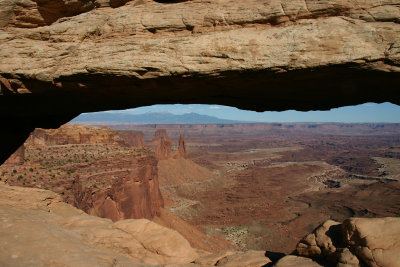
(260, 187)
(272, 185)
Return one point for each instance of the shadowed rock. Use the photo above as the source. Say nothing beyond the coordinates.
(18, 158)
(265, 55)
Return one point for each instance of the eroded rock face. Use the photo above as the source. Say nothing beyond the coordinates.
(158, 135)
(182, 147)
(136, 196)
(18, 158)
(262, 55)
(251, 258)
(323, 242)
(295, 261)
(376, 241)
(34, 221)
(356, 242)
(132, 138)
(164, 149)
(74, 134)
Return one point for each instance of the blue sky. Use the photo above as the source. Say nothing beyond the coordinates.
(368, 112)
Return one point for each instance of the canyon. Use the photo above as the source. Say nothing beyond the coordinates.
(257, 188)
(223, 195)
(60, 59)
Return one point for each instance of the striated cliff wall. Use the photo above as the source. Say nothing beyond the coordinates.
(132, 197)
(61, 58)
(74, 134)
(132, 138)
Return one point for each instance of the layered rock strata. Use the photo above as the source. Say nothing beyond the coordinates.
(132, 138)
(159, 135)
(74, 134)
(135, 196)
(61, 58)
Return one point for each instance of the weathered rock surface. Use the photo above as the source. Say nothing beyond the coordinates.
(323, 242)
(251, 258)
(160, 134)
(61, 58)
(182, 147)
(347, 259)
(74, 134)
(164, 149)
(136, 196)
(18, 158)
(212, 259)
(370, 241)
(132, 138)
(295, 261)
(376, 241)
(39, 229)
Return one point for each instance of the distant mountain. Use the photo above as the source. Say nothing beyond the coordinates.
(113, 118)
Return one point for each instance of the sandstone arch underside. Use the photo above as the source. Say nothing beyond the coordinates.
(61, 58)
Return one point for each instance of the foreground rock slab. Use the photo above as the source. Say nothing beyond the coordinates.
(376, 241)
(295, 261)
(38, 229)
(373, 242)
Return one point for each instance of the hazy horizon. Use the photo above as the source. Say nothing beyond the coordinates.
(364, 113)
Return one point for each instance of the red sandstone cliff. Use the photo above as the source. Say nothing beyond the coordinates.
(132, 138)
(132, 197)
(163, 149)
(74, 134)
(159, 134)
(182, 147)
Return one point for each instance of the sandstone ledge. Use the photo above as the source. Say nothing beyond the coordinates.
(38, 229)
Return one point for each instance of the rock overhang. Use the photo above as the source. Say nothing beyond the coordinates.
(259, 55)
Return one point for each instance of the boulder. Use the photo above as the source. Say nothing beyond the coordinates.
(295, 261)
(322, 242)
(347, 259)
(375, 240)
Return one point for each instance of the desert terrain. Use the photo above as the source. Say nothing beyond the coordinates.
(256, 186)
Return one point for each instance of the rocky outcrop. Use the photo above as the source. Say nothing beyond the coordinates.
(182, 147)
(322, 243)
(34, 221)
(356, 242)
(18, 158)
(295, 261)
(74, 134)
(163, 149)
(161, 134)
(136, 196)
(132, 138)
(251, 258)
(375, 241)
(195, 51)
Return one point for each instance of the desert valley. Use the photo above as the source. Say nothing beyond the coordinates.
(222, 187)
